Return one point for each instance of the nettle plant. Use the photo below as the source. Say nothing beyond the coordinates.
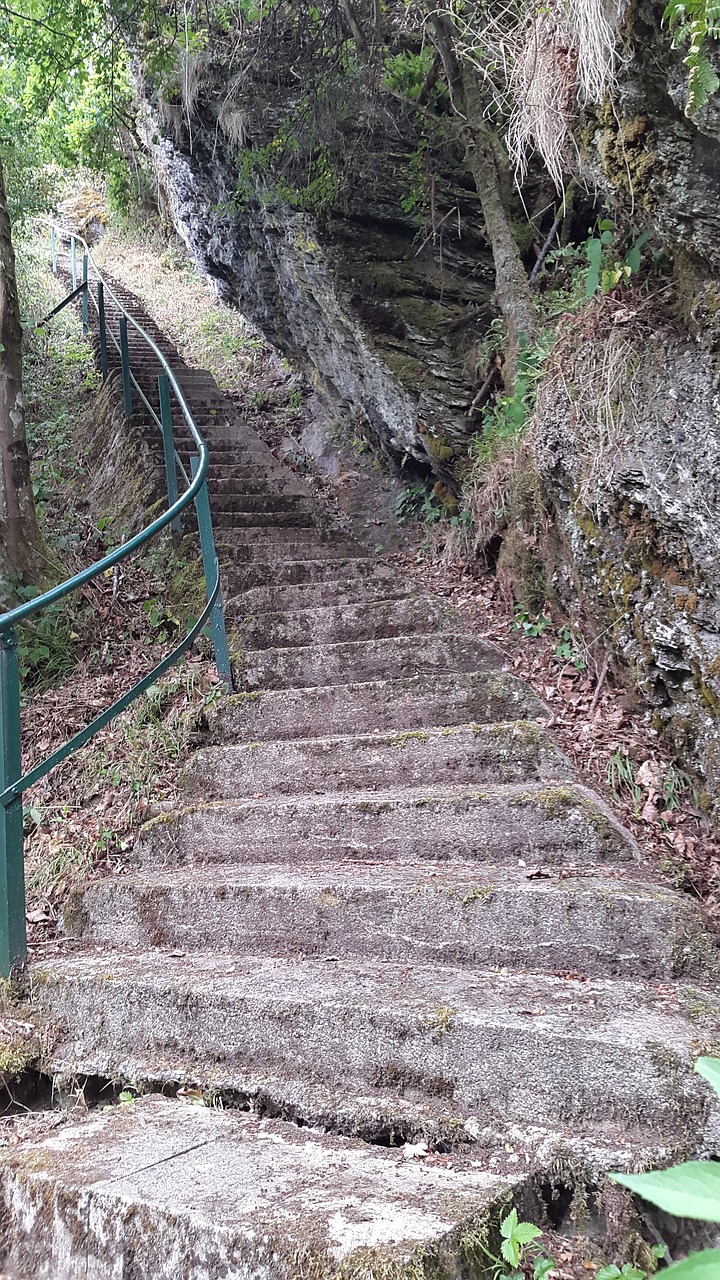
(690, 1190)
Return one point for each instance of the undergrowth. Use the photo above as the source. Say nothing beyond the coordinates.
(79, 655)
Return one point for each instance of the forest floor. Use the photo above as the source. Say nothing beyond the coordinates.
(97, 800)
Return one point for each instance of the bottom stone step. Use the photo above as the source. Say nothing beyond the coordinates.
(160, 1190)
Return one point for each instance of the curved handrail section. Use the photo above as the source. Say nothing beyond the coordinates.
(13, 945)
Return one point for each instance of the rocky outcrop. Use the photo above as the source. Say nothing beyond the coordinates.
(631, 468)
(627, 434)
(368, 305)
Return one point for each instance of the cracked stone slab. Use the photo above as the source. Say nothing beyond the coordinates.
(452, 913)
(541, 824)
(161, 1190)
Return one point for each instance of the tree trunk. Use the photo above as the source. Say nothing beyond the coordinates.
(511, 280)
(20, 540)
(512, 285)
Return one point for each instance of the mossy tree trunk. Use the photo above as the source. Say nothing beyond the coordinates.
(481, 154)
(20, 540)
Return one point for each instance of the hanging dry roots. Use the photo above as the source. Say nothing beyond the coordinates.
(567, 57)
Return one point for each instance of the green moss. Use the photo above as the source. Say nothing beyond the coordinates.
(401, 739)
(482, 893)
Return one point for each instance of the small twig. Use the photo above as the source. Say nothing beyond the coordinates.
(116, 574)
(482, 393)
(598, 686)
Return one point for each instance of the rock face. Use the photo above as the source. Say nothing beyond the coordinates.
(361, 300)
(636, 500)
(627, 438)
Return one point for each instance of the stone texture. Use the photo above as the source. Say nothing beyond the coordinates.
(449, 913)
(556, 825)
(515, 752)
(414, 703)
(529, 1049)
(167, 1191)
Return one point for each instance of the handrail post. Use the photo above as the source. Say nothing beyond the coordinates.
(103, 330)
(13, 940)
(53, 250)
(73, 261)
(210, 561)
(168, 446)
(85, 294)
(125, 361)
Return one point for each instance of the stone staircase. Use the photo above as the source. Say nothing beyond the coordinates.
(385, 913)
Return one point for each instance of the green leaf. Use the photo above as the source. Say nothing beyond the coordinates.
(525, 1232)
(709, 1069)
(510, 1252)
(690, 1190)
(699, 1266)
(610, 1272)
(633, 257)
(543, 1264)
(508, 1224)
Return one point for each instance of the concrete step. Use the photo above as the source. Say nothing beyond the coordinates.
(336, 624)
(225, 517)
(244, 574)
(157, 1189)
(463, 754)
(230, 499)
(310, 666)
(536, 825)
(415, 703)
(448, 913)
(382, 585)
(244, 545)
(521, 1048)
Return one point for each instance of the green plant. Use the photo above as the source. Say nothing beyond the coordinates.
(516, 1240)
(621, 778)
(606, 269)
(418, 500)
(690, 1190)
(694, 22)
(530, 624)
(568, 650)
(506, 419)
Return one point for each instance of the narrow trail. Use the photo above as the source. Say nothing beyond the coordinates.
(385, 912)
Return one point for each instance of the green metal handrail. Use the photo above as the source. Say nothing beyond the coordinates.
(13, 941)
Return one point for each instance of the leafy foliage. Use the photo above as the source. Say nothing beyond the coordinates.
(690, 1190)
(694, 22)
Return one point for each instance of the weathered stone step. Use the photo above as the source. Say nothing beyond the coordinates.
(271, 477)
(226, 517)
(310, 666)
(516, 752)
(542, 825)
(296, 571)
(515, 1048)
(336, 624)
(271, 598)
(450, 913)
(415, 703)
(157, 1189)
(238, 502)
(243, 545)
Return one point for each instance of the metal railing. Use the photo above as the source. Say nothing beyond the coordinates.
(13, 941)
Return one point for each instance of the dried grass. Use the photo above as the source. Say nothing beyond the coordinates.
(568, 57)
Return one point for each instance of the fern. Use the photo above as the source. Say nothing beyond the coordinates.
(694, 22)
